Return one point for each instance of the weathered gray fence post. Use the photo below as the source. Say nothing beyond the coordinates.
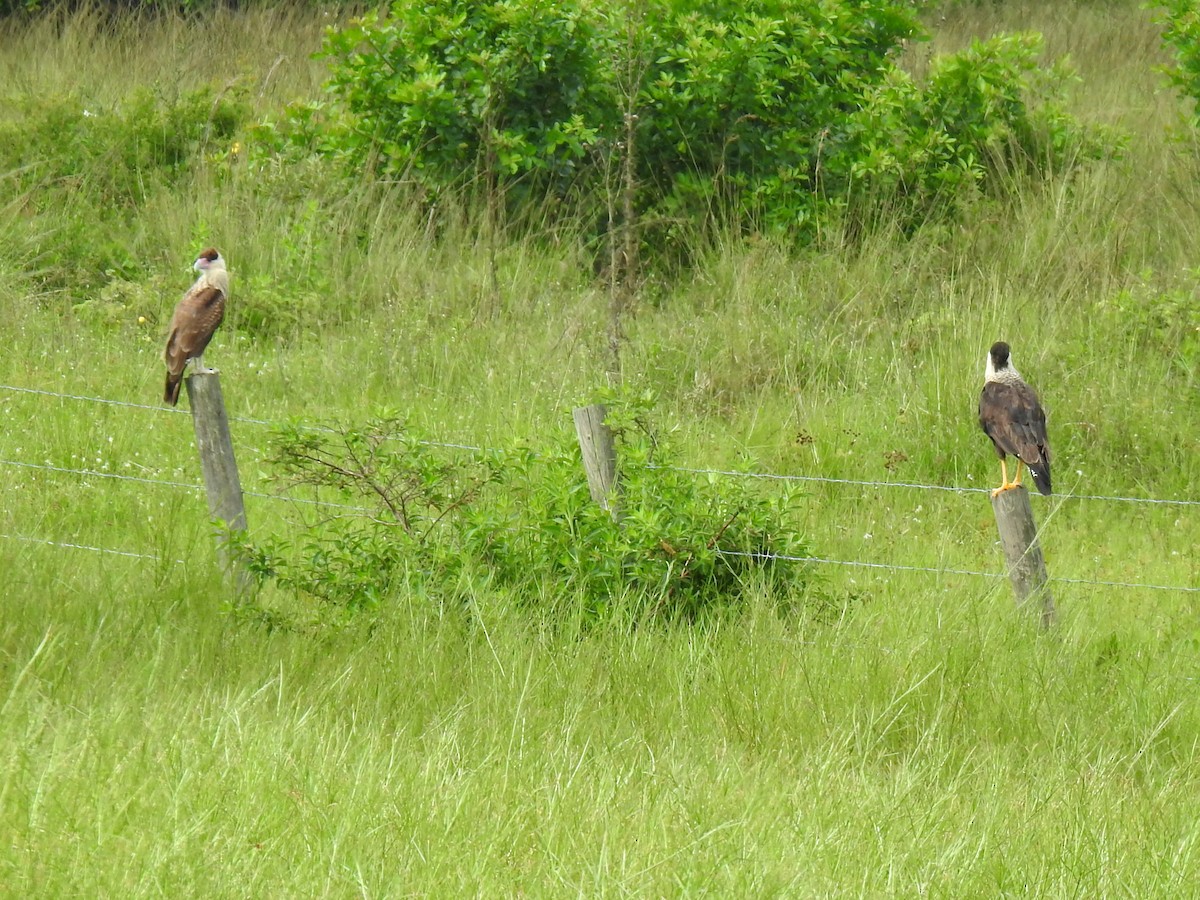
(599, 457)
(221, 481)
(1022, 553)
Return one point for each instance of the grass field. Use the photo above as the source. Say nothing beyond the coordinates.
(925, 741)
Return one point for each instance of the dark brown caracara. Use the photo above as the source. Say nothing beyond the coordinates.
(1013, 418)
(196, 319)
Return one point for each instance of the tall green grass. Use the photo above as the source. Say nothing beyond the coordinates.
(914, 736)
(153, 748)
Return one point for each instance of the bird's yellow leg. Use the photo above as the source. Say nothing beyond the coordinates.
(1016, 481)
(1005, 484)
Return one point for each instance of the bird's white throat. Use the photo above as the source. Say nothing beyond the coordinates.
(1007, 375)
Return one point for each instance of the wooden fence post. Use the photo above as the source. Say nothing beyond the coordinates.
(1022, 553)
(221, 481)
(599, 457)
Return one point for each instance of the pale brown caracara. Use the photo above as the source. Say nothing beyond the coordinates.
(196, 318)
(1013, 418)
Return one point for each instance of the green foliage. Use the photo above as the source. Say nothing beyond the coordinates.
(301, 131)
(985, 115)
(742, 102)
(270, 306)
(671, 556)
(685, 546)
(996, 103)
(156, 745)
(90, 169)
(122, 304)
(1181, 33)
(1161, 316)
(138, 7)
(114, 156)
(769, 115)
(437, 88)
(355, 561)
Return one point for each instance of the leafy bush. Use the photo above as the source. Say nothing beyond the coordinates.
(115, 155)
(87, 170)
(1181, 33)
(986, 114)
(769, 114)
(395, 493)
(743, 101)
(525, 522)
(12, 8)
(440, 88)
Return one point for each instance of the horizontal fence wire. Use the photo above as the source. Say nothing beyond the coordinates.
(93, 473)
(108, 550)
(101, 400)
(766, 557)
(246, 420)
(816, 560)
(725, 473)
(894, 567)
(185, 485)
(823, 479)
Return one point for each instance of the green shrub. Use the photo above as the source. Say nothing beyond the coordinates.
(441, 88)
(743, 100)
(1181, 33)
(766, 115)
(986, 116)
(114, 156)
(82, 172)
(525, 523)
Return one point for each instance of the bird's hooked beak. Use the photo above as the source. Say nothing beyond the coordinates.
(201, 264)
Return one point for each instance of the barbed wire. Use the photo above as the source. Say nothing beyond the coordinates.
(1183, 589)
(823, 479)
(840, 643)
(728, 473)
(102, 400)
(765, 556)
(855, 563)
(946, 571)
(129, 553)
(246, 420)
(93, 473)
(186, 485)
(821, 560)
(367, 510)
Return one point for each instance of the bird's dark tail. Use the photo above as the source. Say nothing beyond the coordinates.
(1041, 478)
(171, 392)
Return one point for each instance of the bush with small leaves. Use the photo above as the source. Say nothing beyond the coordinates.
(988, 118)
(1181, 33)
(447, 90)
(773, 115)
(427, 522)
(91, 168)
